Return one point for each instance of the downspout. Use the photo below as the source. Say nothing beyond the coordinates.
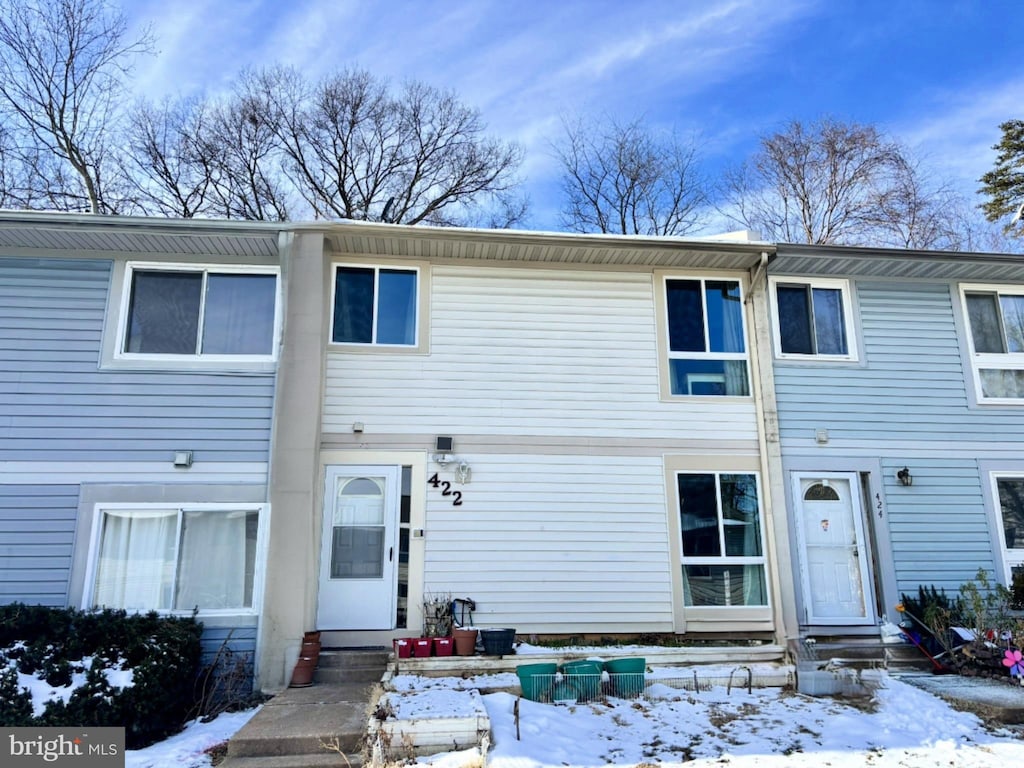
(774, 503)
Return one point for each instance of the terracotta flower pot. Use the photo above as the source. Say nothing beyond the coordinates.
(465, 641)
(302, 675)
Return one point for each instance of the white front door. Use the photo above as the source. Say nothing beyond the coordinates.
(833, 551)
(359, 556)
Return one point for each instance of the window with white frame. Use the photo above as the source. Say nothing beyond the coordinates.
(175, 558)
(1010, 493)
(813, 318)
(199, 312)
(706, 337)
(995, 317)
(375, 305)
(722, 547)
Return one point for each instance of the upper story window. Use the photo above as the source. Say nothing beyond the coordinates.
(995, 316)
(706, 337)
(813, 318)
(375, 305)
(197, 312)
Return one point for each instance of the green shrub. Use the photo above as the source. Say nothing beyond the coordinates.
(55, 645)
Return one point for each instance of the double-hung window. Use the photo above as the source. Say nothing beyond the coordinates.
(722, 541)
(176, 558)
(813, 318)
(706, 337)
(1010, 497)
(199, 312)
(995, 316)
(375, 306)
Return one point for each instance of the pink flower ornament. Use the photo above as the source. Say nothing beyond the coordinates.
(1015, 661)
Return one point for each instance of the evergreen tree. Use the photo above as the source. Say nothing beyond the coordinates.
(1004, 184)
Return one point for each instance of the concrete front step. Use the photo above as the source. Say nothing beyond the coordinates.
(326, 760)
(345, 666)
(299, 721)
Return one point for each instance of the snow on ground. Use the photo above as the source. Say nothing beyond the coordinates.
(900, 727)
(188, 748)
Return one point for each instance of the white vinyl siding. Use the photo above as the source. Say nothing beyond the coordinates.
(528, 352)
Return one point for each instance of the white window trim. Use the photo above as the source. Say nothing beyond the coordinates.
(1006, 560)
(670, 355)
(1008, 361)
(262, 530)
(377, 267)
(761, 560)
(119, 353)
(843, 286)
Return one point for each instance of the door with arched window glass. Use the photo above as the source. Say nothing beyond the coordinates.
(358, 556)
(833, 550)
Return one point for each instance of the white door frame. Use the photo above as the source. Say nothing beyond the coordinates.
(862, 544)
(359, 603)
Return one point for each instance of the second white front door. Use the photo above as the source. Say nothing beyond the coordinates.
(359, 552)
(833, 550)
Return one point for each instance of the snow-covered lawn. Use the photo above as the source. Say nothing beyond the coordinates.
(901, 726)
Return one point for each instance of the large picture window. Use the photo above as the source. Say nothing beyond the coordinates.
(176, 559)
(813, 318)
(1010, 492)
(706, 338)
(722, 542)
(995, 317)
(200, 313)
(375, 305)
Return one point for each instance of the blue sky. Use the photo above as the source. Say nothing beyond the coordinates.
(940, 75)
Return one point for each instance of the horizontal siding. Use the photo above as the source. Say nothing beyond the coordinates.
(527, 352)
(556, 543)
(37, 531)
(237, 642)
(911, 386)
(56, 404)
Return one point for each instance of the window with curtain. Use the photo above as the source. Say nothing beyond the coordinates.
(200, 312)
(812, 318)
(722, 547)
(176, 559)
(706, 340)
(995, 318)
(375, 305)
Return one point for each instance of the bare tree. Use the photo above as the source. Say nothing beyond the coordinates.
(166, 164)
(623, 178)
(815, 183)
(353, 149)
(63, 65)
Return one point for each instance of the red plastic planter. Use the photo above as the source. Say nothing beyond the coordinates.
(403, 648)
(443, 646)
(422, 646)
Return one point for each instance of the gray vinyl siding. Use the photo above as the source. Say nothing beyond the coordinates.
(37, 532)
(56, 404)
(907, 403)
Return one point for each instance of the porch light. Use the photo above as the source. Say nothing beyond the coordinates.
(905, 477)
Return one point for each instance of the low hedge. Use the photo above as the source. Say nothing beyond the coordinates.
(64, 645)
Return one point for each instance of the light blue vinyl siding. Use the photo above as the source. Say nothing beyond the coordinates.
(57, 405)
(906, 404)
(37, 531)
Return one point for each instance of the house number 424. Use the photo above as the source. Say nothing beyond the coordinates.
(446, 489)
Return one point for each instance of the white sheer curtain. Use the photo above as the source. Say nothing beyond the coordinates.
(213, 561)
(136, 561)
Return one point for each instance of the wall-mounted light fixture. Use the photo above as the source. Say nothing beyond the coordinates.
(905, 477)
(183, 459)
(463, 472)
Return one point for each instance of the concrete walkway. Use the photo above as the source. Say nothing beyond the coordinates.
(994, 700)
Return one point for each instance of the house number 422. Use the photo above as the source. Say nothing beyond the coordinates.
(446, 489)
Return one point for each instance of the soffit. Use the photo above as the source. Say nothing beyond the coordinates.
(516, 247)
(884, 263)
(131, 235)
